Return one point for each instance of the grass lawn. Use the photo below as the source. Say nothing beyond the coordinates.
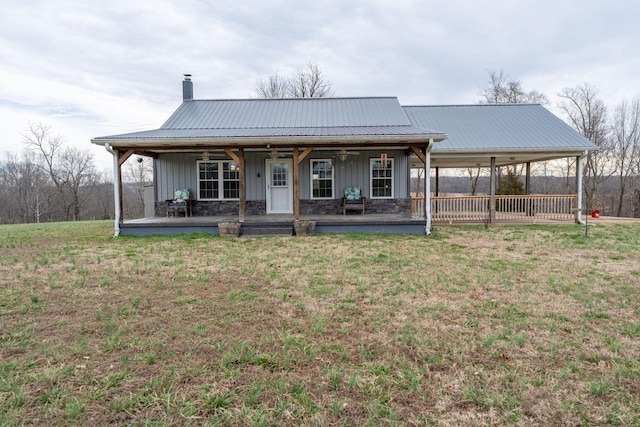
(508, 325)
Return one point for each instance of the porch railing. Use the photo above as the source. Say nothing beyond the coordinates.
(507, 208)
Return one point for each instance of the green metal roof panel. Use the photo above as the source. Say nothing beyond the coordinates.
(483, 127)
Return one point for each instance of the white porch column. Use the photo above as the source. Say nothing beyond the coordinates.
(492, 201)
(579, 188)
(116, 189)
(427, 188)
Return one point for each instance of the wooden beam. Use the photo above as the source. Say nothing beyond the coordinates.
(418, 152)
(119, 178)
(305, 153)
(125, 156)
(147, 154)
(232, 155)
(296, 184)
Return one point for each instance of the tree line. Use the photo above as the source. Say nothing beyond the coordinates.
(52, 181)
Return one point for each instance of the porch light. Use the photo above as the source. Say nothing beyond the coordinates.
(234, 167)
(205, 155)
(383, 159)
(274, 154)
(342, 155)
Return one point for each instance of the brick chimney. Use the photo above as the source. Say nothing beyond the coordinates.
(187, 88)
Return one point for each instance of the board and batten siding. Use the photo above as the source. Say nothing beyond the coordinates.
(179, 170)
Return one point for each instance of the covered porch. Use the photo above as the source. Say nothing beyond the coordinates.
(281, 224)
(285, 224)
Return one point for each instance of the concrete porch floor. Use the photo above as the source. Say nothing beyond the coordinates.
(277, 218)
(352, 223)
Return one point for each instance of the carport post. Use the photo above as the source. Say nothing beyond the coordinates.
(492, 201)
(579, 187)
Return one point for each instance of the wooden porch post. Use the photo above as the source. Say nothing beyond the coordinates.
(296, 185)
(492, 199)
(297, 159)
(120, 193)
(239, 159)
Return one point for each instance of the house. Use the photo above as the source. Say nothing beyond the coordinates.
(247, 158)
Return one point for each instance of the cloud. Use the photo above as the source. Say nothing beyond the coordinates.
(100, 68)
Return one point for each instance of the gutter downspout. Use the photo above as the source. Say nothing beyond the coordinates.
(579, 173)
(427, 188)
(116, 189)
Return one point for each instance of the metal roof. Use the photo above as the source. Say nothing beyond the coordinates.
(288, 113)
(250, 119)
(498, 127)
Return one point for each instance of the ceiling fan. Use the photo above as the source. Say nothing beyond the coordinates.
(343, 154)
(206, 155)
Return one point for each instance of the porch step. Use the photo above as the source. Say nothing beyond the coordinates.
(266, 230)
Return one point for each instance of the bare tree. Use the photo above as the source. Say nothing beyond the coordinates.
(502, 90)
(26, 190)
(588, 115)
(70, 169)
(626, 145)
(309, 82)
(474, 176)
(79, 171)
(274, 87)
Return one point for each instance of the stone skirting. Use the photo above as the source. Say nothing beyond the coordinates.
(307, 207)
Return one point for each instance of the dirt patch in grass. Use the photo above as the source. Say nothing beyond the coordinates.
(512, 325)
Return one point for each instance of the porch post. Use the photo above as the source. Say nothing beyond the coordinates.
(492, 199)
(427, 188)
(527, 189)
(437, 186)
(579, 189)
(296, 185)
(117, 189)
(243, 192)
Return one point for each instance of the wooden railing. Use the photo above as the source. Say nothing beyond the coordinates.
(508, 208)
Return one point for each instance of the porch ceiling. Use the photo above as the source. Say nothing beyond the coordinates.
(164, 144)
(483, 159)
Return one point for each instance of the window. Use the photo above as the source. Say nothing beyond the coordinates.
(322, 179)
(218, 180)
(381, 179)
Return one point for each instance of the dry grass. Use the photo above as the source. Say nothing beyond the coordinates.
(512, 325)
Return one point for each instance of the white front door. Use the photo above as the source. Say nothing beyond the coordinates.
(279, 186)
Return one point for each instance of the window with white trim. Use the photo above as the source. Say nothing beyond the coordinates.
(381, 179)
(322, 179)
(218, 180)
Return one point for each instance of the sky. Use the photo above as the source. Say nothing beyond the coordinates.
(97, 68)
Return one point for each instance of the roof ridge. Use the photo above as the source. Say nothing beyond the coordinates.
(295, 99)
(512, 104)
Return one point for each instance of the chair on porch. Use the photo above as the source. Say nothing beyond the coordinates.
(181, 202)
(353, 200)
